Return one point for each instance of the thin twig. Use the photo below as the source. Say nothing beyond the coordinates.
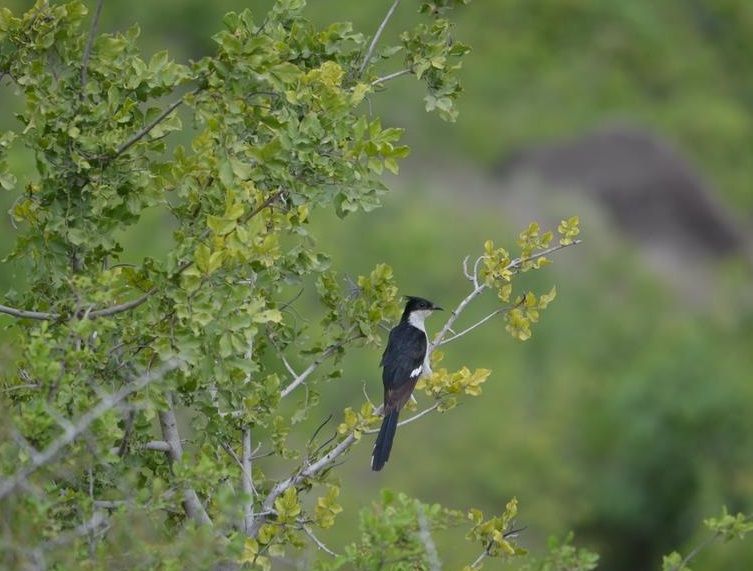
(513, 266)
(319, 428)
(477, 324)
(73, 430)
(375, 39)
(453, 316)
(156, 121)
(307, 372)
(517, 262)
(317, 541)
(410, 419)
(122, 307)
(484, 554)
(290, 369)
(695, 551)
(89, 42)
(390, 76)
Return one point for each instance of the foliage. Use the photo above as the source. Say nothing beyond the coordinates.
(726, 528)
(563, 556)
(198, 345)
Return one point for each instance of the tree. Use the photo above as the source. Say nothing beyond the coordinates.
(148, 419)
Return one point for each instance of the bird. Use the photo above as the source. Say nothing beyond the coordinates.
(404, 361)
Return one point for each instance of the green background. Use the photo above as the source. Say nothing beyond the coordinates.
(628, 417)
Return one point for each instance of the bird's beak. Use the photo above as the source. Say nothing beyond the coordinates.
(437, 308)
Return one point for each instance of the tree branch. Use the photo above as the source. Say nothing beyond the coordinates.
(24, 314)
(316, 540)
(307, 472)
(73, 430)
(390, 76)
(408, 420)
(159, 445)
(453, 316)
(695, 551)
(156, 121)
(94, 314)
(375, 39)
(484, 554)
(515, 264)
(300, 379)
(311, 470)
(477, 324)
(122, 307)
(191, 503)
(479, 287)
(424, 534)
(89, 42)
(247, 481)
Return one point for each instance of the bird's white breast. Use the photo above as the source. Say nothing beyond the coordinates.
(417, 319)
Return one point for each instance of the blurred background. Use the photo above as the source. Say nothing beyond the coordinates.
(628, 417)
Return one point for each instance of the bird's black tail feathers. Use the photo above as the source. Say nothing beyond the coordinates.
(383, 443)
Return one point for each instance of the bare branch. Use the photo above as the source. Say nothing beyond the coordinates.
(159, 445)
(74, 430)
(24, 314)
(247, 480)
(290, 369)
(517, 262)
(89, 42)
(479, 287)
(410, 419)
(316, 540)
(310, 369)
(453, 316)
(307, 472)
(477, 324)
(466, 273)
(375, 39)
(89, 314)
(191, 503)
(484, 554)
(390, 76)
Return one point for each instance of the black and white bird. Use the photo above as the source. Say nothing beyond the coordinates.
(404, 361)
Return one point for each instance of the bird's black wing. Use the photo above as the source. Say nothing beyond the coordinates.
(402, 361)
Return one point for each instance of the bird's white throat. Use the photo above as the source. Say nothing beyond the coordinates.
(417, 318)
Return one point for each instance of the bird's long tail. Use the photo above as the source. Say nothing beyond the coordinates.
(383, 443)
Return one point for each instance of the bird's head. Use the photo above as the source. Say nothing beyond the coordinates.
(417, 309)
